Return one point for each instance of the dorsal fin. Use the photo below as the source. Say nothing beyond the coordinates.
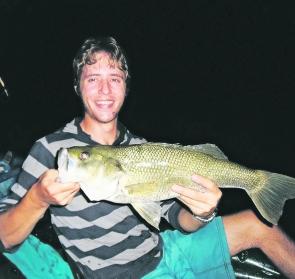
(211, 149)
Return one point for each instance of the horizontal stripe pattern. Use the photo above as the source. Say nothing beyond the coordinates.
(33, 167)
(79, 203)
(124, 257)
(106, 240)
(55, 146)
(18, 189)
(110, 239)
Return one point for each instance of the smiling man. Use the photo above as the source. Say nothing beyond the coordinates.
(106, 76)
(107, 240)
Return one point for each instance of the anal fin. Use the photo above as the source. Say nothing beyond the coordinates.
(149, 211)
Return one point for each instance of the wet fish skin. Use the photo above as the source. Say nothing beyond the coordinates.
(144, 174)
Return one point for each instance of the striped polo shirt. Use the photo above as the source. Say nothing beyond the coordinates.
(105, 240)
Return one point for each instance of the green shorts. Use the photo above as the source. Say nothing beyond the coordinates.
(203, 254)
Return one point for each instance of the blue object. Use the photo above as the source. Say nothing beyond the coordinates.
(5, 162)
(5, 186)
(33, 258)
(203, 254)
(36, 260)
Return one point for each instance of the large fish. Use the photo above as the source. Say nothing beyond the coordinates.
(143, 174)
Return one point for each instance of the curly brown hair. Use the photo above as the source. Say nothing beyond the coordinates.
(86, 55)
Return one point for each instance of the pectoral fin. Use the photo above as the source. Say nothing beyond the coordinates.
(142, 189)
(149, 211)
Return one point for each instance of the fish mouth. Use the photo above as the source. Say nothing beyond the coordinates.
(62, 163)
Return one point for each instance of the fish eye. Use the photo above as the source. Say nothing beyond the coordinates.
(84, 155)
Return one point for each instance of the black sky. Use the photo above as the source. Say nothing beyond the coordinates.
(202, 71)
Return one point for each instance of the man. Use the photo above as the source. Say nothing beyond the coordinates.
(106, 240)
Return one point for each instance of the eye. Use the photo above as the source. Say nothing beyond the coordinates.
(92, 79)
(84, 156)
(115, 80)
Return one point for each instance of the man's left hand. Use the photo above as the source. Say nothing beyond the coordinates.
(201, 203)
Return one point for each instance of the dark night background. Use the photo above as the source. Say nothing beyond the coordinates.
(202, 71)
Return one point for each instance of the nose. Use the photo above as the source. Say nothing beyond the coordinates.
(104, 86)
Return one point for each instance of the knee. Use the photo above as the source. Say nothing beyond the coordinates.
(260, 232)
(244, 230)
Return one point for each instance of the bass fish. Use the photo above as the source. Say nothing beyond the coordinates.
(143, 175)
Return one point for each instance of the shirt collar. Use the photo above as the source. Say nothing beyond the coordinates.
(122, 130)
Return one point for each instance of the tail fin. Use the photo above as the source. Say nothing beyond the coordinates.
(270, 198)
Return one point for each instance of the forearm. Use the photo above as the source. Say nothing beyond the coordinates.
(18, 222)
(187, 222)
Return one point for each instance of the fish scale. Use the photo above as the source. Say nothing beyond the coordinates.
(143, 175)
(153, 162)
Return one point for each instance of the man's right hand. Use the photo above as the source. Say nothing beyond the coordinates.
(18, 222)
(48, 190)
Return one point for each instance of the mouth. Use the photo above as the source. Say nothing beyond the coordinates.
(62, 163)
(104, 103)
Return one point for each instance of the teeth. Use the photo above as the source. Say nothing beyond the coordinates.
(103, 102)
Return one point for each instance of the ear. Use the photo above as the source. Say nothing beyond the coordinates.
(76, 90)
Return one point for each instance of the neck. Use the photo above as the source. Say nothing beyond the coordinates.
(103, 133)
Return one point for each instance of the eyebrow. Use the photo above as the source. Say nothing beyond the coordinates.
(113, 75)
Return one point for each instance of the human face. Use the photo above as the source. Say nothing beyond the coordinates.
(102, 87)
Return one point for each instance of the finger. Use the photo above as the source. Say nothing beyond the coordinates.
(65, 197)
(188, 192)
(68, 187)
(204, 181)
(204, 205)
(56, 189)
(190, 202)
(198, 199)
(52, 173)
(49, 176)
(198, 208)
(70, 197)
